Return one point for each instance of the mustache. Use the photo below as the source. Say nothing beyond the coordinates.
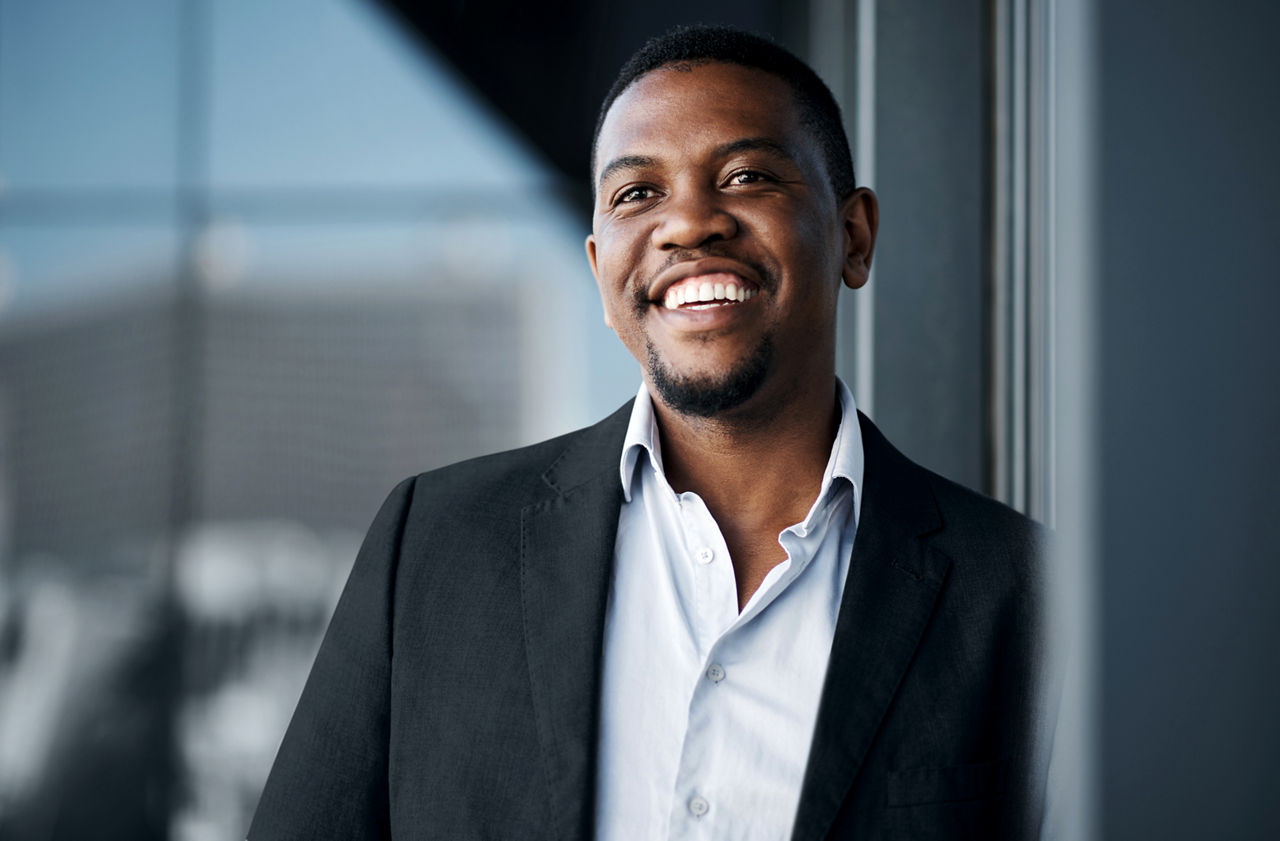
(764, 275)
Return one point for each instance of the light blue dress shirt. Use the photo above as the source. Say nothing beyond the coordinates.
(707, 713)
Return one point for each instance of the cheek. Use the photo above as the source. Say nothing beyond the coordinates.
(615, 299)
(618, 262)
(811, 247)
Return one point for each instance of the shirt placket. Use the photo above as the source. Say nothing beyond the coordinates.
(715, 591)
(716, 610)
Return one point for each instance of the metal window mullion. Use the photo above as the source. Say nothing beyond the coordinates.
(1012, 221)
(865, 152)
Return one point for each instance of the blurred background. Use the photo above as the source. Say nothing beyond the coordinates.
(260, 260)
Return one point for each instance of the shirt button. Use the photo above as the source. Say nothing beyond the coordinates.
(715, 673)
(705, 555)
(698, 807)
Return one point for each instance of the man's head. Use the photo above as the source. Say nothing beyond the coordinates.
(720, 233)
(704, 44)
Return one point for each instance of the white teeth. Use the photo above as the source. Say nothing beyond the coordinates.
(695, 293)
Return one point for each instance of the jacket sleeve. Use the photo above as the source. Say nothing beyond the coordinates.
(329, 780)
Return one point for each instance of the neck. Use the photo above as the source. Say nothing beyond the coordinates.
(761, 465)
(758, 469)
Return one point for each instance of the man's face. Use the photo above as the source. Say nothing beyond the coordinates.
(717, 242)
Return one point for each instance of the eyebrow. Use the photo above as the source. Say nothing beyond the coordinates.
(624, 162)
(756, 144)
(745, 144)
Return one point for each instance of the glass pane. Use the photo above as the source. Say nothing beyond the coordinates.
(88, 94)
(330, 93)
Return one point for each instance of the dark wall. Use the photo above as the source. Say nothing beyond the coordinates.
(1189, 401)
(932, 176)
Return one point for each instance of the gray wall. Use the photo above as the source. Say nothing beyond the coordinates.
(932, 176)
(1188, 410)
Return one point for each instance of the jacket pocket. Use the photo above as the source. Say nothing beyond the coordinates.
(947, 785)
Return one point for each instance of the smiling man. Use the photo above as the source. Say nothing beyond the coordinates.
(731, 610)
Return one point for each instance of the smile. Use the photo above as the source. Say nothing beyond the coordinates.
(707, 291)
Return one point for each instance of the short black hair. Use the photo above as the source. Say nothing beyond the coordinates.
(701, 44)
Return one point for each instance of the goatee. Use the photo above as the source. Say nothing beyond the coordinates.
(709, 395)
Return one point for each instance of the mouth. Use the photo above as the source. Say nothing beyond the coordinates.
(708, 291)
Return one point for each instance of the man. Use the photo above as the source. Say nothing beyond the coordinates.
(731, 610)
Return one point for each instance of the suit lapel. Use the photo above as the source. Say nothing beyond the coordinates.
(894, 579)
(566, 549)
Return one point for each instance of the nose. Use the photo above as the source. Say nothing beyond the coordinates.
(692, 218)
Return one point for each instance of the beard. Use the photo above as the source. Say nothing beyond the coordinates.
(712, 394)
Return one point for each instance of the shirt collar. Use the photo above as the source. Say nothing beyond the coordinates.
(846, 461)
(642, 436)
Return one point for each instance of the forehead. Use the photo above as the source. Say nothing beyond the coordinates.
(684, 106)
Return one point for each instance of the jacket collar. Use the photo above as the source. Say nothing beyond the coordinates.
(589, 451)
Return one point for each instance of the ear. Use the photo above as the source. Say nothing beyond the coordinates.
(591, 258)
(860, 216)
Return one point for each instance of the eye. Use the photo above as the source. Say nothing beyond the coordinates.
(743, 177)
(633, 194)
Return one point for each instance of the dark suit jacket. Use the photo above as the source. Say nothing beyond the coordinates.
(456, 694)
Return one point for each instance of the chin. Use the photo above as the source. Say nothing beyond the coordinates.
(709, 395)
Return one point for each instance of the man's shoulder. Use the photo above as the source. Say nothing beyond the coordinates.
(978, 517)
(526, 474)
(994, 549)
(970, 527)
